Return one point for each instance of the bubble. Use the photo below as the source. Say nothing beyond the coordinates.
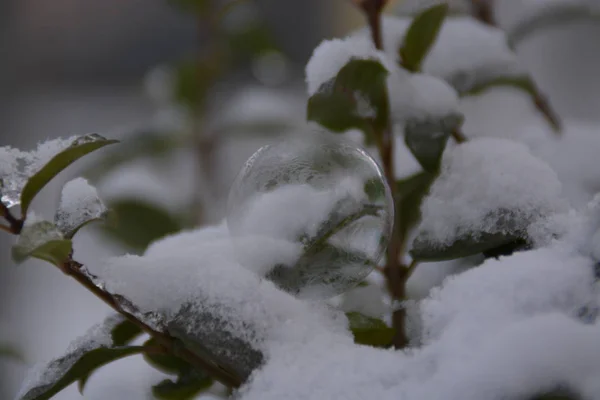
(312, 213)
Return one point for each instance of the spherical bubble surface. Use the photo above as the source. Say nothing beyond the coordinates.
(312, 213)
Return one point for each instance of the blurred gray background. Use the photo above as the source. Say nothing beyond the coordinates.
(76, 66)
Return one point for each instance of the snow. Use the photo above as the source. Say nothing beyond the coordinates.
(36, 232)
(466, 53)
(503, 330)
(17, 166)
(331, 55)
(479, 181)
(48, 373)
(79, 204)
(206, 277)
(433, 97)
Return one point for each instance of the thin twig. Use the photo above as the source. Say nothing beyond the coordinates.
(5, 228)
(458, 136)
(73, 269)
(483, 10)
(16, 225)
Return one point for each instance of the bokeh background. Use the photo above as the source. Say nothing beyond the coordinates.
(70, 67)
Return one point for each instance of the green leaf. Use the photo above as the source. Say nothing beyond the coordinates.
(556, 15)
(8, 351)
(356, 98)
(187, 386)
(370, 331)
(125, 332)
(324, 264)
(167, 363)
(74, 366)
(193, 80)
(509, 228)
(426, 139)
(137, 223)
(79, 148)
(410, 193)
(44, 241)
(421, 35)
(520, 82)
(79, 206)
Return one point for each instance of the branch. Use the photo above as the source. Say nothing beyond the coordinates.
(16, 225)
(75, 270)
(459, 136)
(483, 10)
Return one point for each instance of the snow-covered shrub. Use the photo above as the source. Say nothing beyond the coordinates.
(488, 285)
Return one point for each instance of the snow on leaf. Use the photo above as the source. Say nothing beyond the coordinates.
(330, 57)
(421, 35)
(78, 148)
(84, 356)
(79, 205)
(355, 98)
(488, 193)
(42, 240)
(435, 117)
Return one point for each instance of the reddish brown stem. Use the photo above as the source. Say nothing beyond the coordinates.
(15, 224)
(73, 269)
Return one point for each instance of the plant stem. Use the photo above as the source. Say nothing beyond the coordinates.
(73, 269)
(16, 225)
(395, 272)
(458, 136)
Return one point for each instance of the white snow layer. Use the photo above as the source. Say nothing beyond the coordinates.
(485, 177)
(331, 56)
(466, 52)
(17, 166)
(79, 204)
(506, 329)
(48, 372)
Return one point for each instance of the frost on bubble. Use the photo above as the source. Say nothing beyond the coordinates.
(320, 207)
(331, 55)
(44, 375)
(79, 204)
(488, 193)
(17, 166)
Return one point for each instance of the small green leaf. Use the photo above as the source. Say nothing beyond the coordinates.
(555, 15)
(137, 223)
(193, 79)
(356, 98)
(44, 241)
(8, 351)
(187, 386)
(410, 193)
(370, 331)
(421, 35)
(509, 228)
(79, 205)
(79, 148)
(125, 332)
(74, 366)
(426, 139)
(520, 82)
(167, 363)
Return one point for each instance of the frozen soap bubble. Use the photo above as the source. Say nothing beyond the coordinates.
(311, 213)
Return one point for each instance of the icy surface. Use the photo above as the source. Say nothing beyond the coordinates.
(47, 373)
(331, 55)
(17, 166)
(482, 178)
(79, 204)
(36, 232)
